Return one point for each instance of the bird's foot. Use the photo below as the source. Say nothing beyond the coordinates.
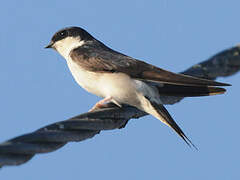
(104, 103)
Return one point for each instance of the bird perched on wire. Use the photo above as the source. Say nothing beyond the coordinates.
(121, 79)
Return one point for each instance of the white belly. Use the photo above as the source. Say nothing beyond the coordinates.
(119, 86)
(87, 80)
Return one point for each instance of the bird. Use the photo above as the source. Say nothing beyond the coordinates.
(124, 80)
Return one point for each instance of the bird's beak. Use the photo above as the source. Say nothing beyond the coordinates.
(50, 45)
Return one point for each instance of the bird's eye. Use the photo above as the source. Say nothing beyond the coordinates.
(60, 35)
(63, 34)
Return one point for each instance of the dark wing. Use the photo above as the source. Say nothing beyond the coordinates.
(188, 91)
(103, 59)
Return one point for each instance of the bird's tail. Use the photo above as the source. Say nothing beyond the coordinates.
(161, 113)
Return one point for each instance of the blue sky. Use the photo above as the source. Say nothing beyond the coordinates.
(37, 88)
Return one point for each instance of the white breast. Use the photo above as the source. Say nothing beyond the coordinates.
(87, 80)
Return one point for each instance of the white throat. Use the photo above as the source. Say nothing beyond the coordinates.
(66, 45)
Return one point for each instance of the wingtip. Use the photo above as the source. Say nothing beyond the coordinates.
(216, 83)
(225, 84)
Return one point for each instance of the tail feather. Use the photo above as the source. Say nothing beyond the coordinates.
(189, 91)
(170, 122)
(164, 116)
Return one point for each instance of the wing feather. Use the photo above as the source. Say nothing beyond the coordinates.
(104, 59)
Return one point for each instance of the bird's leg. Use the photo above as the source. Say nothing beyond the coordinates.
(101, 104)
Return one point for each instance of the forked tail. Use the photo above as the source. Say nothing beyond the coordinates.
(161, 113)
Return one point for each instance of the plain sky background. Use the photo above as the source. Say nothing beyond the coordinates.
(37, 88)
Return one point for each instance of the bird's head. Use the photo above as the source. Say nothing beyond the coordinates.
(69, 38)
